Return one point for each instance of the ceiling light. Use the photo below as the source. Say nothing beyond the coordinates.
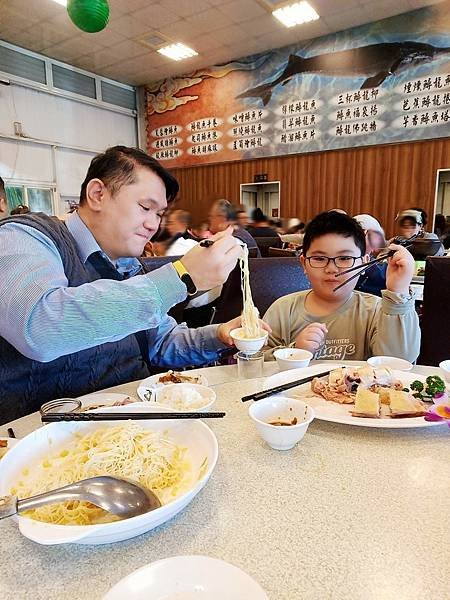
(296, 14)
(177, 51)
(62, 2)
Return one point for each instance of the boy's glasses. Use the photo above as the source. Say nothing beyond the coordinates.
(340, 262)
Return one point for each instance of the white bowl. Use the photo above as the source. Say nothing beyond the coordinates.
(170, 396)
(280, 408)
(247, 345)
(193, 435)
(292, 358)
(394, 363)
(445, 369)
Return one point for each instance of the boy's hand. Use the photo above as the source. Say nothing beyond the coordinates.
(400, 270)
(312, 337)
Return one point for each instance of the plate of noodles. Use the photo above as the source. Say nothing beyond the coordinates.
(173, 458)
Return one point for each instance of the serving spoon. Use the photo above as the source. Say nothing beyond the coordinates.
(120, 497)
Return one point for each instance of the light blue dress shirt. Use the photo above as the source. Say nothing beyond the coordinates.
(44, 318)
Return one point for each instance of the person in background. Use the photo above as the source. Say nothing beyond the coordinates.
(343, 324)
(177, 225)
(260, 226)
(222, 215)
(200, 231)
(20, 210)
(294, 232)
(79, 312)
(412, 221)
(3, 201)
(242, 219)
(373, 280)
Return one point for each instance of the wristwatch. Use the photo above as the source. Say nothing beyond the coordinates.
(185, 277)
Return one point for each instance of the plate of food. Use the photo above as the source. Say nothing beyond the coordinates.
(364, 396)
(168, 378)
(174, 459)
(102, 399)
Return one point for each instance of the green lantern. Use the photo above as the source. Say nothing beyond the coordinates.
(89, 15)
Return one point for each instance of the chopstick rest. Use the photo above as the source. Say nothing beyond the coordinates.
(285, 386)
(125, 416)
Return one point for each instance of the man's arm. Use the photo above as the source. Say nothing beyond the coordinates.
(44, 318)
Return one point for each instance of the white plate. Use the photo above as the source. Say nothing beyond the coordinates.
(198, 439)
(152, 382)
(104, 399)
(339, 413)
(187, 578)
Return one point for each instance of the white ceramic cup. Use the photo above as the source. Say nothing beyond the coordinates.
(292, 358)
(397, 364)
(281, 409)
(445, 369)
(247, 345)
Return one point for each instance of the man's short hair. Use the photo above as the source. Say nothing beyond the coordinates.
(2, 189)
(182, 216)
(226, 209)
(20, 210)
(333, 222)
(117, 165)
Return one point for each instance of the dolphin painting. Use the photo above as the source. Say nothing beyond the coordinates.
(376, 62)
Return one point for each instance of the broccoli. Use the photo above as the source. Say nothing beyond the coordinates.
(417, 386)
(434, 385)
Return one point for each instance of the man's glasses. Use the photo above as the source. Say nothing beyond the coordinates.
(340, 262)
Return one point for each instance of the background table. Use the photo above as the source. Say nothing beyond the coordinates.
(350, 513)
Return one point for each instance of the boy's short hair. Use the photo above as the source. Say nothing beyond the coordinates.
(334, 222)
(116, 168)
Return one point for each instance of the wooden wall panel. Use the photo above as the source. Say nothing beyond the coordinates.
(380, 180)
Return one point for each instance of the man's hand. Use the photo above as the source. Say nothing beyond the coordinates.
(312, 337)
(223, 331)
(400, 270)
(210, 267)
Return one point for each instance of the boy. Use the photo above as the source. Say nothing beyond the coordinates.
(344, 324)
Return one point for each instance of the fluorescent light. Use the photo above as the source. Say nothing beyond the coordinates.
(62, 2)
(296, 14)
(177, 51)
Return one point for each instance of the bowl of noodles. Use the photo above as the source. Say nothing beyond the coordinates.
(172, 458)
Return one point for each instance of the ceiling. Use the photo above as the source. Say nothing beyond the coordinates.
(219, 30)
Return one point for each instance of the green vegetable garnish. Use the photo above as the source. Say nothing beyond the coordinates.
(417, 385)
(433, 385)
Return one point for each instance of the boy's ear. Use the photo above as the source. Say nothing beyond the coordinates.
(302, 261)
(366, 258)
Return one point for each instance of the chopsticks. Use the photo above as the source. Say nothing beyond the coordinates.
(362, 268)
(283, 387)
(125, 416)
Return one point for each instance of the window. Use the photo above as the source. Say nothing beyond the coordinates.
(38, 199)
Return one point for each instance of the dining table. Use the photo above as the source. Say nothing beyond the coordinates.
(350, 513)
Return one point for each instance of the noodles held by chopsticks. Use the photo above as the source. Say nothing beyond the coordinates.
(250, 314)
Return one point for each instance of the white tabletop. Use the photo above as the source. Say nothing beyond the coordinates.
(349, 513)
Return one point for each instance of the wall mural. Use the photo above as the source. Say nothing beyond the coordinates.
(388, 81)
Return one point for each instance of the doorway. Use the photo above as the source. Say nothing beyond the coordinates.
(265, 196)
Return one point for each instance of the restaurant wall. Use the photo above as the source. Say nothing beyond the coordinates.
(380, 180)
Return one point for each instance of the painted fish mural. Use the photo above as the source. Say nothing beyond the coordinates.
(375, 62)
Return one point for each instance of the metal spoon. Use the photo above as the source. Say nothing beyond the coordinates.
(117, 496)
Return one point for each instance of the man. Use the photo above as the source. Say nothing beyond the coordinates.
(242, 217)
(3, 202)
(77, 311)
(177, 225)
(373, 280)
(222, 215)
(412, 222)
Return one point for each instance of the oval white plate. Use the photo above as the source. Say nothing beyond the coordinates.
(152, 382)
(104, 399)
(339, 413)
(187, 578)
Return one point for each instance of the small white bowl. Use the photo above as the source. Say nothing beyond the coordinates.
(397, 364)
(171, 397)
(247, 345)
(281, 409)
(292, 358)
(445, 368)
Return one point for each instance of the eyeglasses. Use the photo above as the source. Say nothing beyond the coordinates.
(340, 262)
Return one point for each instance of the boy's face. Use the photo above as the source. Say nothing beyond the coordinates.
(323, 280)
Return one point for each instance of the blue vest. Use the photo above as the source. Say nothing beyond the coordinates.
(25, 384)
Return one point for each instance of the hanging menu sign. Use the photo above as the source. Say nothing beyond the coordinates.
(354, 88)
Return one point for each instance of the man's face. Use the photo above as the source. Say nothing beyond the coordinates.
(323, 280)
(408, 228)
(216, 220)
(132, 216)
(242, 219)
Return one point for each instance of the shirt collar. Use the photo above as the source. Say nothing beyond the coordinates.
(87, 245)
